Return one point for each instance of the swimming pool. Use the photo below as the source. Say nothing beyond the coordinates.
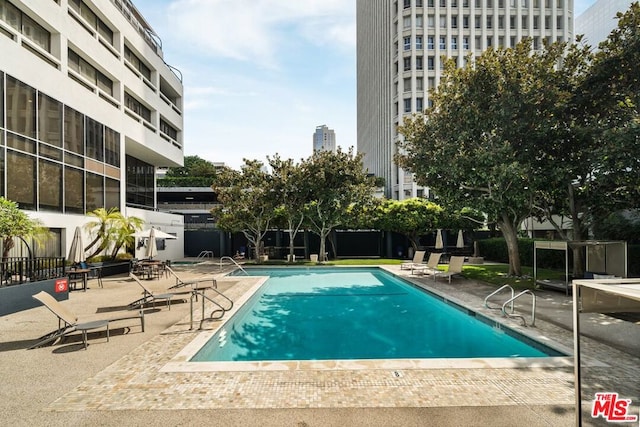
(356, 313)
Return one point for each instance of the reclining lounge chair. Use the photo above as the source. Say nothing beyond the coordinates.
(417, 260)
(431, 267)
(455, 268)
(68, 322)
(148, 296)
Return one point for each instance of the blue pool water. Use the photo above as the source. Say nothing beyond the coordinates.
(354, 313)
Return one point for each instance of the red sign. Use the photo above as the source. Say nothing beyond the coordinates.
(62, 285)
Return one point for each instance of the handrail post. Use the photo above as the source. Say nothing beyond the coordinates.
(486, 300)
(533, 307)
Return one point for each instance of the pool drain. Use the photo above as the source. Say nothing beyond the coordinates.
(397, 374)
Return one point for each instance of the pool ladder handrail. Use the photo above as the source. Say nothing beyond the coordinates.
(497, 291)
(205, 254)
(233, 261)
(533, 308)
(220, 310)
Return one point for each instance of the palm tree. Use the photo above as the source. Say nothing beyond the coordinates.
(122, 231)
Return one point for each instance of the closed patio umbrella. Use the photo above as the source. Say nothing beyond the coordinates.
(158, 233)
(76, 252)
(439, 242)
(460, 242)
(152, 249)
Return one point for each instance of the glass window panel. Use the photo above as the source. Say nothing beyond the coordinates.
(21, 179)
(94, 191)
(112, 147)
(139, 182)
(94, 139)
(105, 32)
(73, 131)
(2, 167)
(50, 183)
(87, 71)
(1, 100)
(49, 120)
(45, 150)
(10, 14)
(74, 190)
(104, 83)
(36, 33)
(112, 193)
(21, 143)
(21, 108)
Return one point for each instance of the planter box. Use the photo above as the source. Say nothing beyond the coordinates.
(110, 268)
(18, 297)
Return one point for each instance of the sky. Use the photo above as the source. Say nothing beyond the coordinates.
(260, 75)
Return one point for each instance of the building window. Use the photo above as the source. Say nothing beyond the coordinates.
(419, 105)
(49, 185)
(465, 42)
(94, 191)
(419, 63)
(501, 22)
(443, 43)
(49, 120)
(477, 21)
(407, 84)
(407, 105)
(512, 22)
(454, 42)
(168, 130)
(111, 147)
(407, 4)
(406, 63)
(454, 22)
(489, 41)
(536, 22)
(73, 190)
(525, 22)
(90, 73)
(489, 21)
(419, 21)
(20, 108)
(443, 21)
(406, 22)
(407, 43)
(430, 63)
(419, 42)
(431, 21)
(419, 83)
(73, 131)
(430, 42)
(94, 139)
(443, 3)
(431, 3)
(92, 20)
(465, 21)
(140, 183)
(418, 3)
(26, 26)
(22, 179)
(137, 63)
(136, 106)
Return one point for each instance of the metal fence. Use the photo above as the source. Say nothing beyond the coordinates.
(18, 270)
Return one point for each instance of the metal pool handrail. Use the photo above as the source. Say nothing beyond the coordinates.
(233, 261)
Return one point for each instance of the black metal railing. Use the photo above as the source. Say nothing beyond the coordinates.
(18, 270)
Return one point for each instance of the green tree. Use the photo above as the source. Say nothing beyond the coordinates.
(473, 148)
(110, 230)
(248, 201)
(290, 189)
(196, 172)
(410, 217)
(14, 223)
(336, 182)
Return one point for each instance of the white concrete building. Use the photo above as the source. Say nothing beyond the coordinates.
(90, 109)
(324, 139)
(400, 45)
(599, 20)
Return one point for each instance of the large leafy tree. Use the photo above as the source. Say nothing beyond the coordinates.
(336, 182)
(289, 186)
(248, 201)
(410, 217)
(14, 223)
(473, 148)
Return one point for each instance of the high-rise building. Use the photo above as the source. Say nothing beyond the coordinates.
(88, 110)
(324, 139)
(400, 50)
(599, 20)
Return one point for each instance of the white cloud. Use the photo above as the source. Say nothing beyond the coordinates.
(257, 30)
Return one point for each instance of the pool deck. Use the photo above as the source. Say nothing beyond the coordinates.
(125, 381)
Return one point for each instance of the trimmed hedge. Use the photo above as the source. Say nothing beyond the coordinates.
(495, 249)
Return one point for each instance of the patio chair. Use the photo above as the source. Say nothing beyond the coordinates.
(148, 296)
(431, 267)
(68, 322)
(455, 268)
(418, 258)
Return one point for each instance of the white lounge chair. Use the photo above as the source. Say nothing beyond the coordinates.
(431, 267)
(455, 268)
(418, 258)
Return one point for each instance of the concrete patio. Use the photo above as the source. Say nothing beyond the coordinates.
(121, 382)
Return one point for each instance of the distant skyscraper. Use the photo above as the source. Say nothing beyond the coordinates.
(400, 44)
(324, 139)
(599, 20)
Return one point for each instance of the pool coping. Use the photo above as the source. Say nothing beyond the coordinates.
(181, 361)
